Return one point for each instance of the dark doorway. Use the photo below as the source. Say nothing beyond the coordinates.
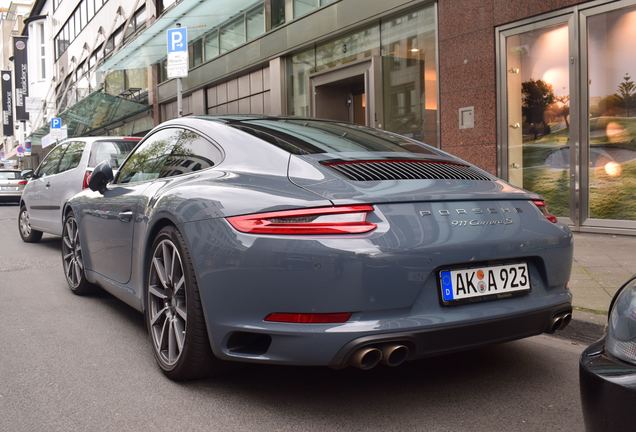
(343, 100)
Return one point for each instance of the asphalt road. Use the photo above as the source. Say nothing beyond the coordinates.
(69, 363)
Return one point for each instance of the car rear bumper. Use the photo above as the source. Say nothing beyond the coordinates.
(12, 196)
(334, 345)
(608, 390)
(388, 280)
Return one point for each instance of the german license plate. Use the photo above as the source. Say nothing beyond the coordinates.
(483, 281)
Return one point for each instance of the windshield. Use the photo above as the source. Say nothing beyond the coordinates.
(301, 136)
(112, 151)
(9, 175)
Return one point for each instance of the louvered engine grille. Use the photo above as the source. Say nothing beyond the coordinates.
(392, 169)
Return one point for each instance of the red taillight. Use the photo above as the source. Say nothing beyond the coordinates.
(309, 318)
(543, 208)
(22, 182)
(131, 139)
(87, 178)
(325, 220)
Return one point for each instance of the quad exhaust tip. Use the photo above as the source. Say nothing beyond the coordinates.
(394, 354)
(391, 355)
(560, 321)
(366, 358)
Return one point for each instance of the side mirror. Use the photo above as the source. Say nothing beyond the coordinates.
(100, 177)
(27, 174)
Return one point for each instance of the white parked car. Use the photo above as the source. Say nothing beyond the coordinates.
(11, 185)
(64, 172)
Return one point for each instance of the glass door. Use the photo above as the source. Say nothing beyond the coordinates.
(538, 136)
(608, 36)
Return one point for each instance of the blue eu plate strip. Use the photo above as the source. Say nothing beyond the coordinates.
(447, 285)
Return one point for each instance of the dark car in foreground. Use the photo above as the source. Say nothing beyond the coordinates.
(308, 242)
(608, 369)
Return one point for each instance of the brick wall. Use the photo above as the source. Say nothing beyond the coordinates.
(467, 70)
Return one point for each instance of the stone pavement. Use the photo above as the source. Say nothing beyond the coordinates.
(602, 263)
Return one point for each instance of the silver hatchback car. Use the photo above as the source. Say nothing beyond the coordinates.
(11, 185)
(64, 172)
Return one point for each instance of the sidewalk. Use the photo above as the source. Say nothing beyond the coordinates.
(602, 263)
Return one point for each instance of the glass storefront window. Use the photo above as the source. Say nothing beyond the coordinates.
(277, 13)
(211, 45)
(612, 114)
(232, 35)
(410, 75)
(302, 7)
(299, 68)
(538, 90)
(255, 22)
(195, 53)
(346, 49)
(408, 71)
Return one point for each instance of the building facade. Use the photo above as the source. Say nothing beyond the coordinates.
(12, 24)
(80, 36)
(540, 92)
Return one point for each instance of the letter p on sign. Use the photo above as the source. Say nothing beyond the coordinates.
(177, 39)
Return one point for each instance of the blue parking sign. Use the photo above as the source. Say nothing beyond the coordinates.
(56, 123)
(177, 39)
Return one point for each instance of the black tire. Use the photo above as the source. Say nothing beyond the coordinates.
(72, 258)
(28, 234)
(195, 358)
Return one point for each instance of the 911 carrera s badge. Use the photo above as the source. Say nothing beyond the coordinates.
(480, 222)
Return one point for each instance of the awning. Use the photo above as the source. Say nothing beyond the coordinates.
(95, 111)
(149, 47)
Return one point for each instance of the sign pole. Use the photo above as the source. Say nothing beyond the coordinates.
(177, 66)
(179, 92)
(179, 98)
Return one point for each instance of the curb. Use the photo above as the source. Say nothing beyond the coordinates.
(582, 330)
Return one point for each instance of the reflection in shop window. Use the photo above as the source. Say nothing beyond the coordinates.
(410, 77)
(255, 22)
(211, 45)
(612, 114)
(232, 35)
(349, 48)
(538, 90)
(409, 64)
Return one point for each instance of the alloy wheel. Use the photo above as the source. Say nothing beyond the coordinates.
(167, 301)
(72, 253)
(25, 223)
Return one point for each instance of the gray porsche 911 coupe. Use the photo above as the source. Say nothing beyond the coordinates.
(308, 242)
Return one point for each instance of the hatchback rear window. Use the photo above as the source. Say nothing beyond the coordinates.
(9, 175)
(112, 151)
(301, 136)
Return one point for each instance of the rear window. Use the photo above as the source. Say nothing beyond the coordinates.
(9, 175)
(300, 136)
(112, 151)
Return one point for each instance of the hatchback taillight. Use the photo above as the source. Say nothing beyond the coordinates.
(543, 208)
(87, 178)
(312, 221)
(22, 182)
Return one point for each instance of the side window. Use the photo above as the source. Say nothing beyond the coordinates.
(49, 164)
(147, 160)
(191, 153)
(72, 156)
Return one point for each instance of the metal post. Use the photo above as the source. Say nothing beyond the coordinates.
(179, 98)
(179, 91)
(24, 138)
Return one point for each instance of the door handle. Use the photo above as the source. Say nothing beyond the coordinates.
(125, 216)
